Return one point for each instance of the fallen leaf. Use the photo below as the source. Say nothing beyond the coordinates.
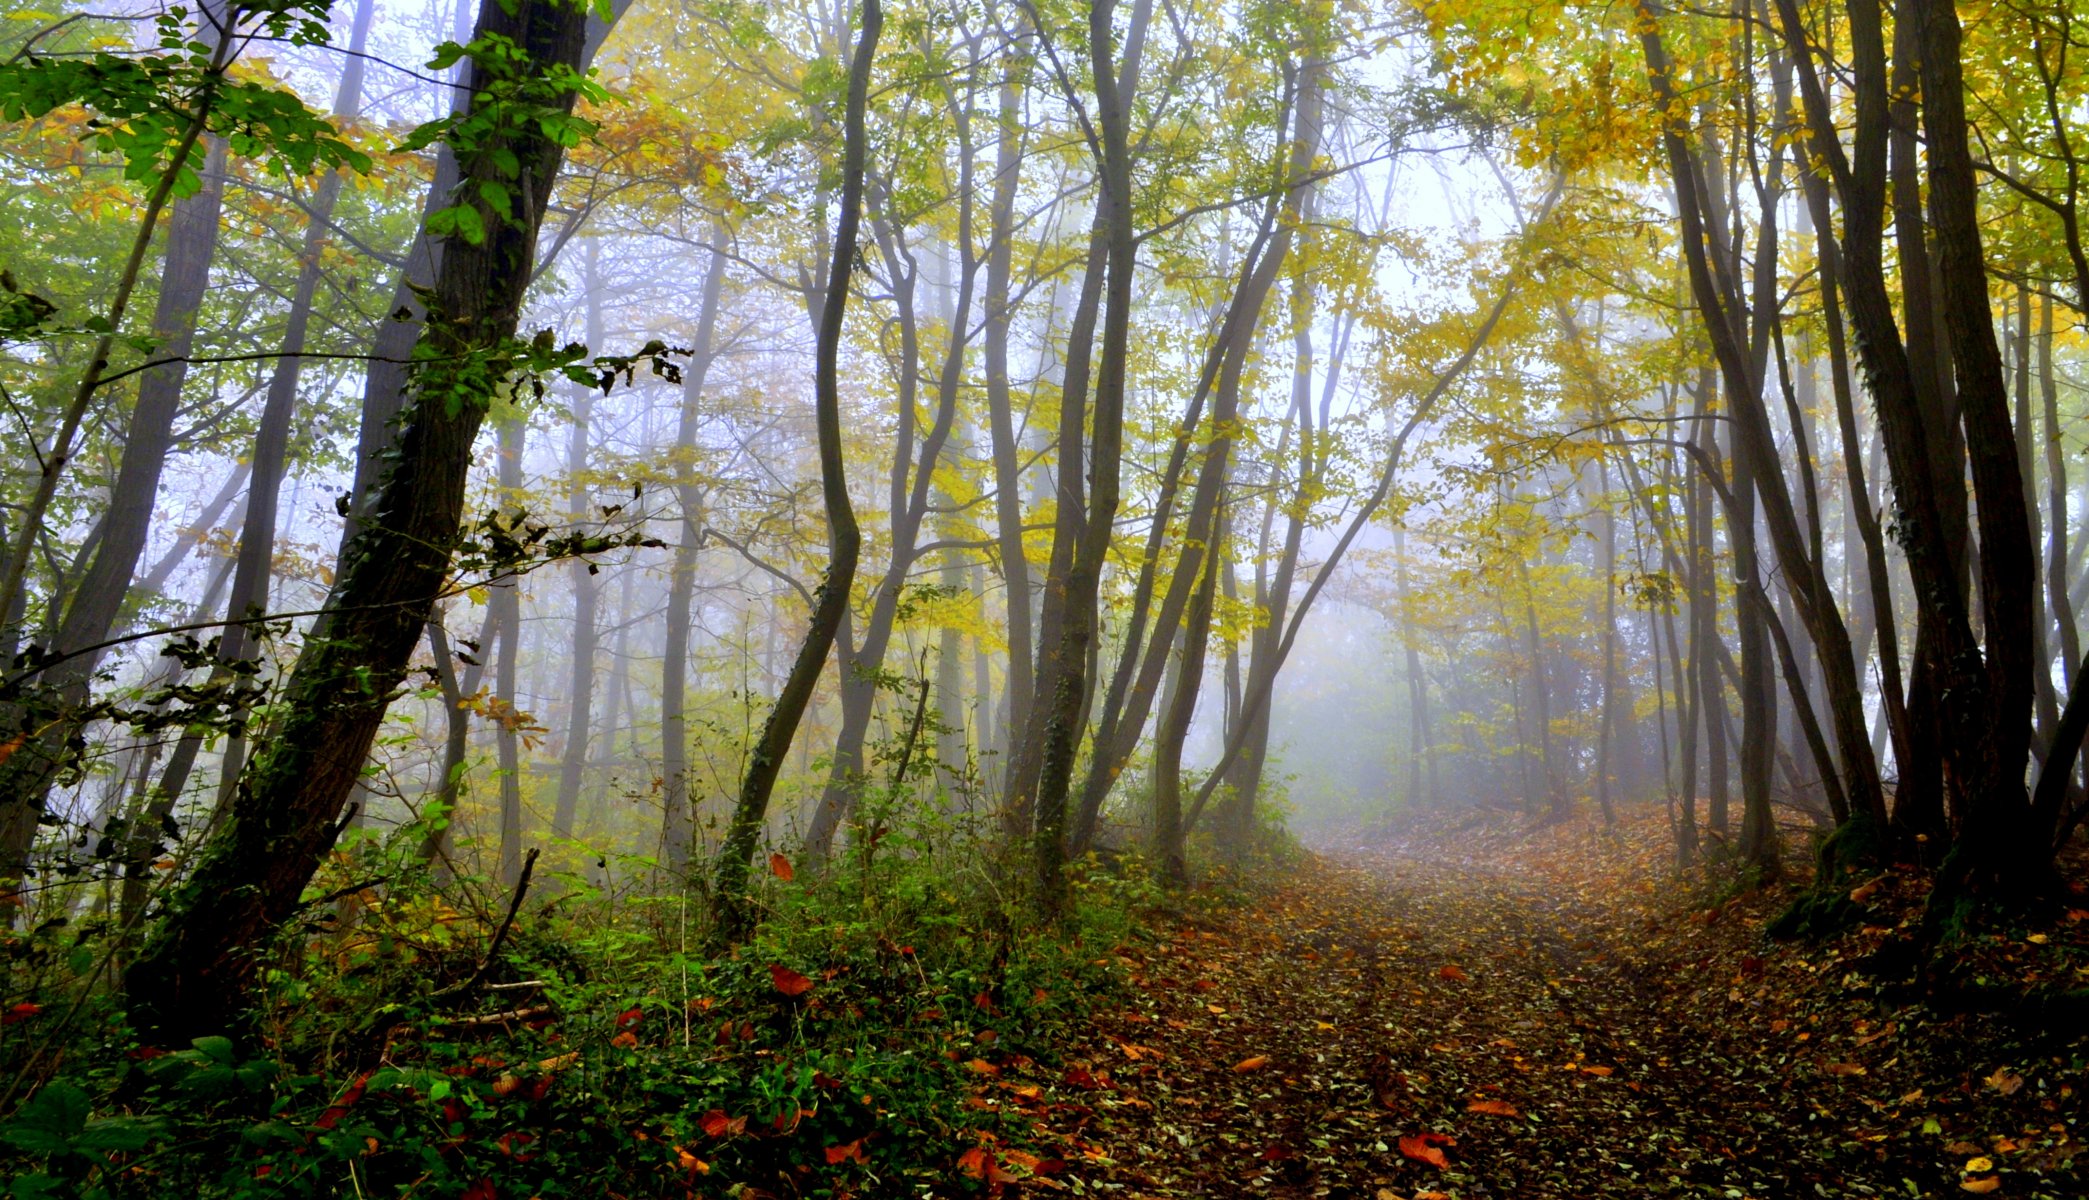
(1979, 1166)
(626, 1040)
(1962, 1148)
(1497, 1108)
(780, 867)
(1251, 1064)
(1452, 972)
(1982, 1187)
(1844, 1068)
(1422, 1147)
(2005, 1081)
(974, 1162)
(787, 981)
(980, 1066)
(716, 1124)
(1599, 1072)
(846, 1151)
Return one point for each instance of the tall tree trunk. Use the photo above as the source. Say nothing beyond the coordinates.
(198, 972)
(1417, 684)
(271, 461)
(765, 758)
(678, 829)
(2056, 500)
(506, 605)
(1607, 721)
(1059, 722)
(1175, 723)
(580, 696)
(1999, 842)
(1001, 415)
(97, 596)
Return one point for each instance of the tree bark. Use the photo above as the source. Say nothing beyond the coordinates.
(200, 969)
(765, 758)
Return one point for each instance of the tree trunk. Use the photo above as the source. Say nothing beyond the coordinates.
(765, 758)
(200, 969)
(580, 696)
(678, 830)
(1059, 721)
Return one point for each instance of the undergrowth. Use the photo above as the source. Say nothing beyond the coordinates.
(852, 1047)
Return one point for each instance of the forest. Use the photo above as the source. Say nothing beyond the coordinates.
(1404, 599)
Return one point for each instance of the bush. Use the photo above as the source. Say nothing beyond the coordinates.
(874, 1030)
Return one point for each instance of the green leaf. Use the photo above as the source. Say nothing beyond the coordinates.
(216, 1048)
(458, 220)
(50, 1121)
(497, 198)
(117, 1133)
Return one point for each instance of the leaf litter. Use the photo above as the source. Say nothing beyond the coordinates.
(1444, 1016)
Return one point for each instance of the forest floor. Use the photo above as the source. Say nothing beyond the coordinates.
(1472, 1009)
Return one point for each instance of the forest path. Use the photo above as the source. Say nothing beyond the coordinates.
(1537, 1025)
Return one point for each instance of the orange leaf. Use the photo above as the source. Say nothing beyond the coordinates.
(1981, 1187)
(716, 1124)
(1454, 973)
(1422, 1147)
(787, 981)
(8, 747)
(1251, 1064)
(626, 1040)
(980, 1066)
(974, 1162)
(1497, 1108)
(780, 867)
(1843, 1068)
(1599, 1072)
(2005, 1081)
(846, 1151)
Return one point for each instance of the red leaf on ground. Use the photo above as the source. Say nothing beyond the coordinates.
(1453, 972)
(629, 1016)
(787, 981)
(716, 1124)
(845, 1151)
(1496, 1108)
(1422, 1147)
(780, 867)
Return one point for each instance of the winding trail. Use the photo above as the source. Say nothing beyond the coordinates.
(1566, 1040)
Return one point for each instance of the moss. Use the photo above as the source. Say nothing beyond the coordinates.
(1825, 909)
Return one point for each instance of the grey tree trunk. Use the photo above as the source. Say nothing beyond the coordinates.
(679, 821)
(573, 763)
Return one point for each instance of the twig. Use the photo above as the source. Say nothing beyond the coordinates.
(500, 1018)
(500, 935)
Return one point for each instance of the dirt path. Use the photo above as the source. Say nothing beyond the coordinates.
(1395, 1023)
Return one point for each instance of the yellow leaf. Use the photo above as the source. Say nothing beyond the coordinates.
(1979, 1166)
